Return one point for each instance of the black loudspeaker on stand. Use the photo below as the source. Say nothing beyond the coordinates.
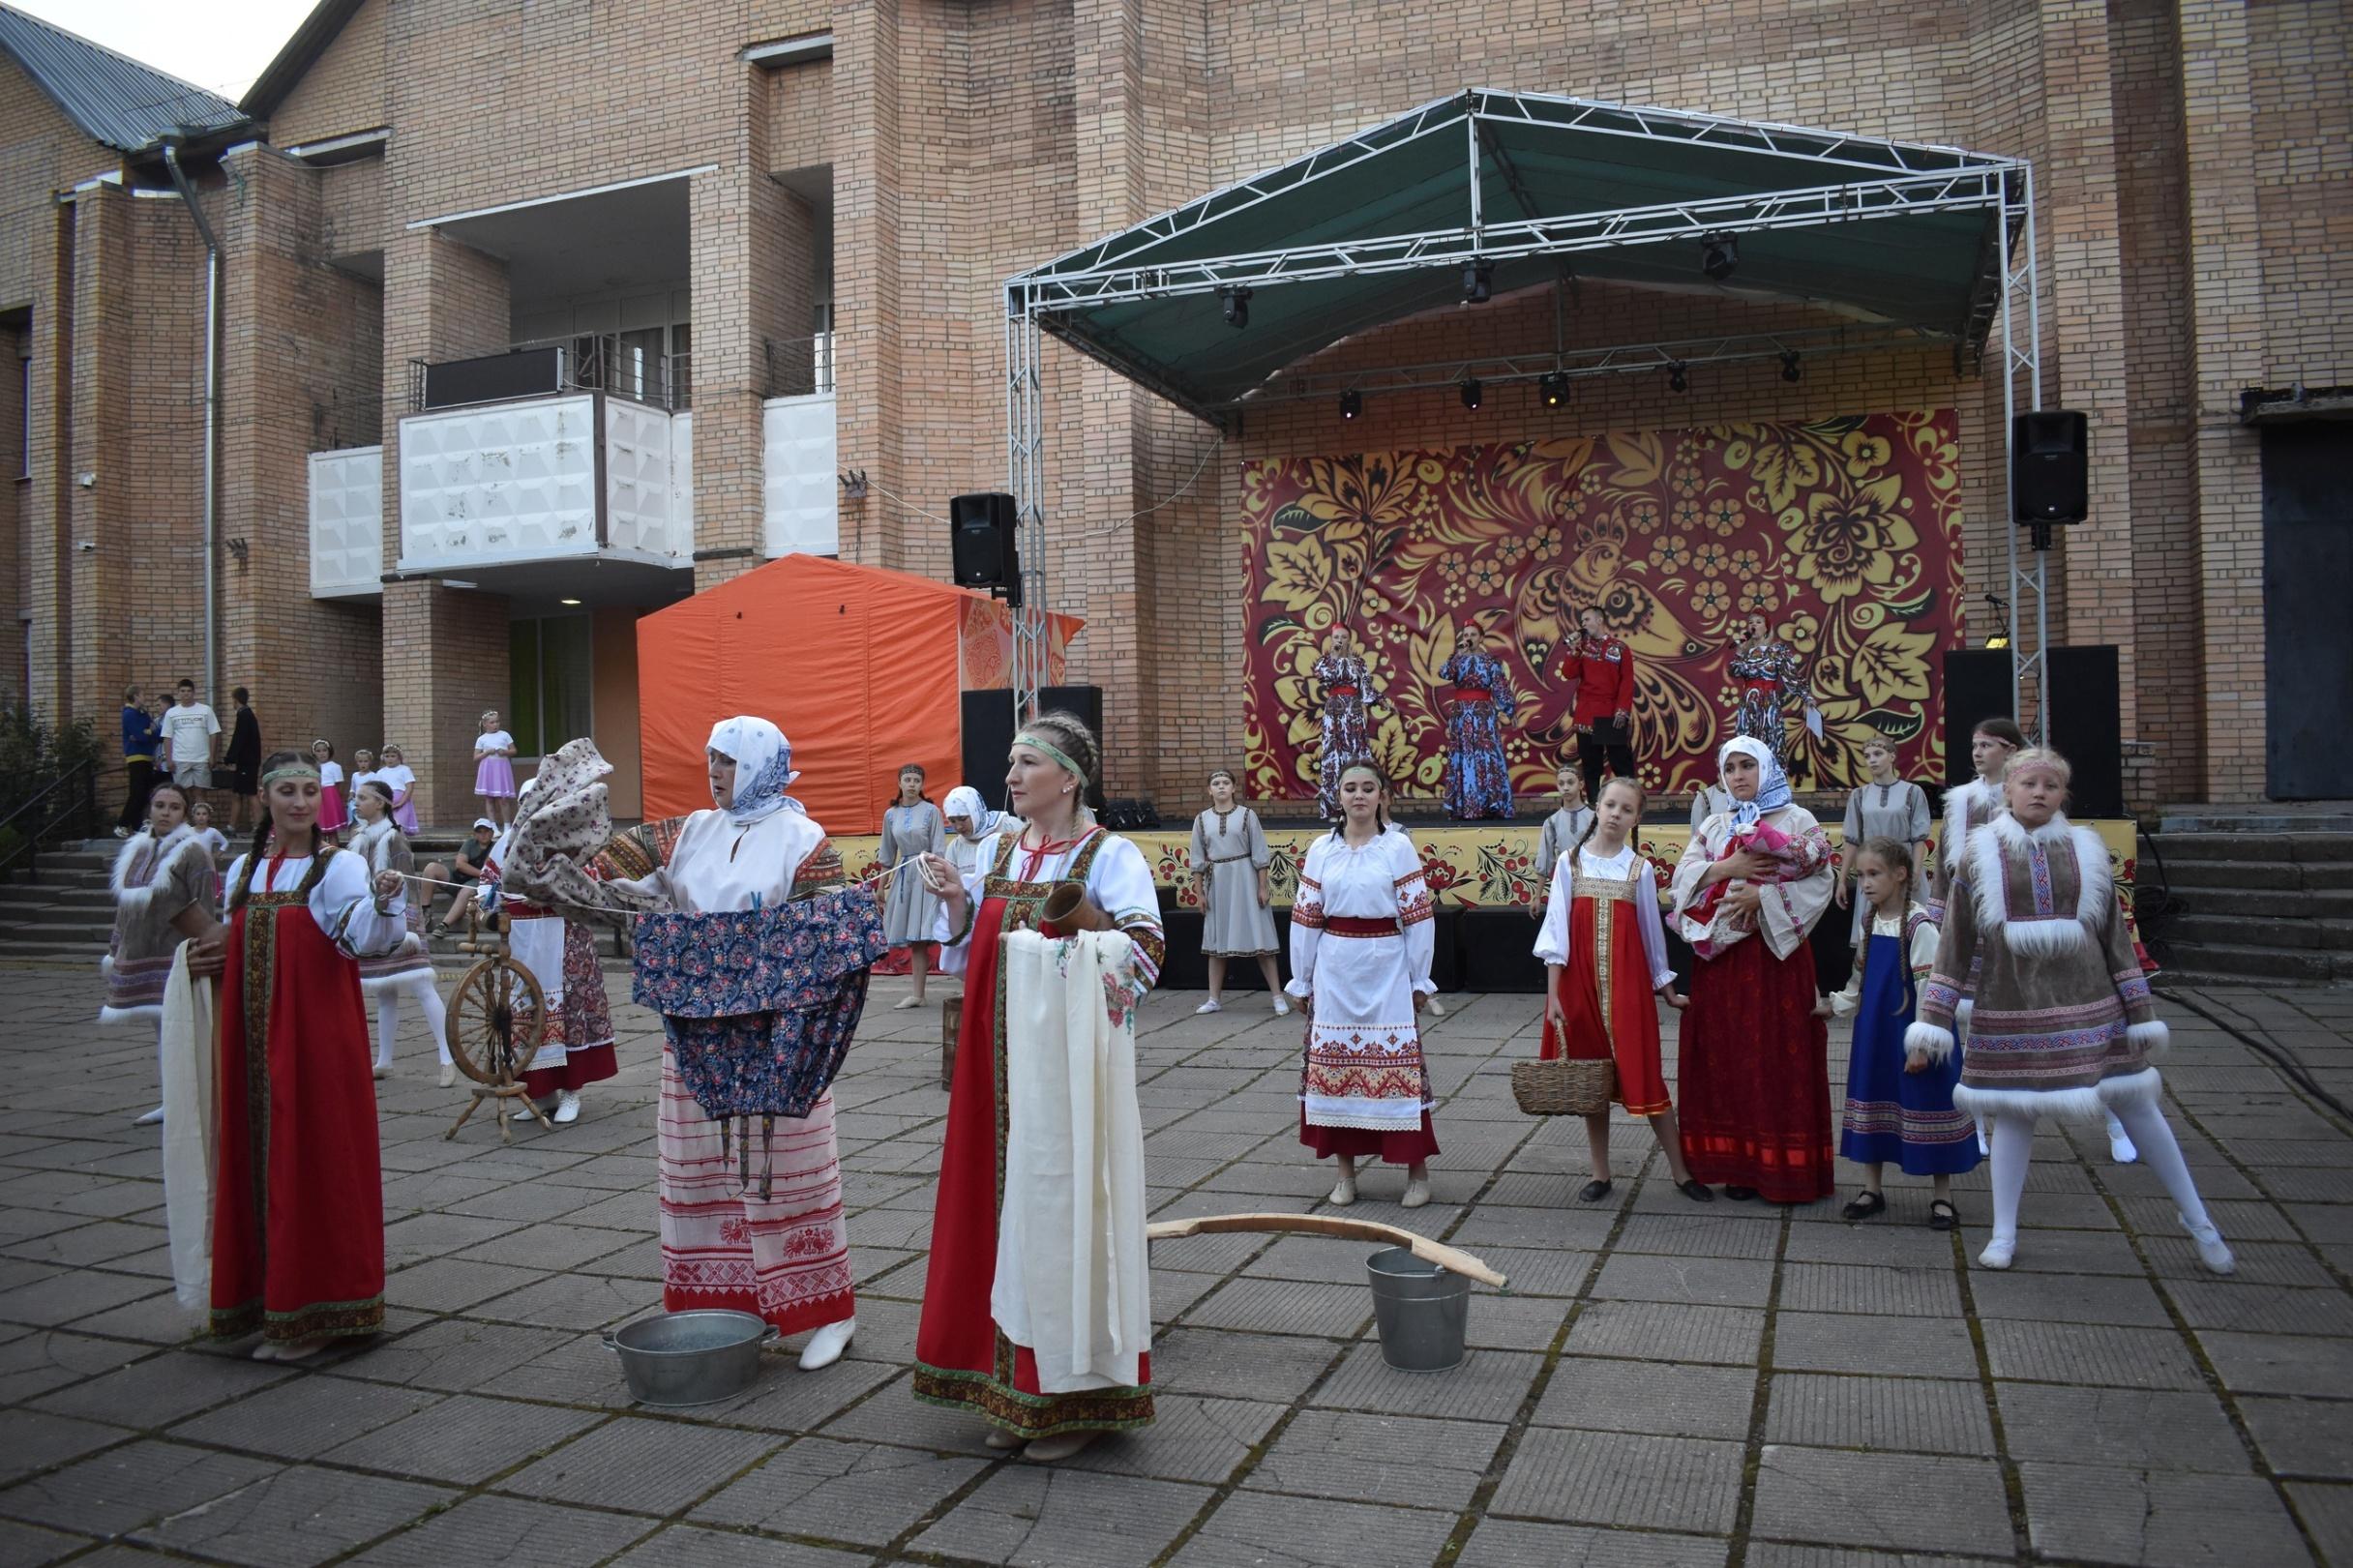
(983, 540)
(2050, 468)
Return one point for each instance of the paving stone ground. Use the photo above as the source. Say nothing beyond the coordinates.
(1663, 1384)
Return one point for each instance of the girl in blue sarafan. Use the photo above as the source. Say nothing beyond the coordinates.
(1899, 1106)
(1479, 776)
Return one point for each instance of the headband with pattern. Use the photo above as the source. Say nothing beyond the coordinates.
(291, 770)
(1031, 738)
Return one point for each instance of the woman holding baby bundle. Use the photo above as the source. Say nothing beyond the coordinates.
(1754, 1063)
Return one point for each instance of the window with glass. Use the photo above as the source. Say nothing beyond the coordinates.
(549, 691)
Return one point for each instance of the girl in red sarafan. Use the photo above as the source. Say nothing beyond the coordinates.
(298, 1201)
(1605, 960)
(1755, 1069)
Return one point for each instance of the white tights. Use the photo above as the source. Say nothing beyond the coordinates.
(388, 1019)
(2013, 1143)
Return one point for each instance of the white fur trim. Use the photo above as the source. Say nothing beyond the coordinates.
(2040, 936)
(158, 856)
(130, 1014)
(1963, 1010)
(2151, 1037)
(1927, 1037)
(2071, 1105)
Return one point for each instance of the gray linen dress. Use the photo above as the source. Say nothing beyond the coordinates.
(909, 831)
(1232, 849)
(1897, 811)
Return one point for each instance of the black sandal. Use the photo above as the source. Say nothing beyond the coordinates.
(1696, 1189)
(1942, 1215)
(1593, 1192)
(1867, 1203)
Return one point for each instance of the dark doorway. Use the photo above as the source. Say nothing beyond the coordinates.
(2308, 637)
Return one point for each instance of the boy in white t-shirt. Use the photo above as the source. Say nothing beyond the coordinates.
(191, 734)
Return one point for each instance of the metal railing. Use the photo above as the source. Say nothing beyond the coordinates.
(583, 362)
(67, 801)
(798, 366)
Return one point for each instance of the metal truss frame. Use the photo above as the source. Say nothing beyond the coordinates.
(1870, 178)
(2021, 358)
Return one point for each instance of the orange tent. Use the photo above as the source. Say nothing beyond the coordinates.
(861, 668)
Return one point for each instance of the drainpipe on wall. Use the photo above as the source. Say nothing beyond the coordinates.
(212, 420)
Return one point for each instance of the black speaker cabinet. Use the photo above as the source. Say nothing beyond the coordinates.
(2050, 471)
(988, 735)
(1977, 687)
(2086, 727)
(1086, 701)
(982, 536)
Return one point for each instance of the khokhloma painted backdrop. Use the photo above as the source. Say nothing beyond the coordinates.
(1843, 533)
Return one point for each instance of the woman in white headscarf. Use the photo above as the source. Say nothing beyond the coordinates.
(1754, 1067)
(784, 1256)
(972, 824)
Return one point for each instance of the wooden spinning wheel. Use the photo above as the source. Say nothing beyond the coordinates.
(497, 1022)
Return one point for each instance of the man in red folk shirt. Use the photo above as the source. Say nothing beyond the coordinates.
(1600, 672)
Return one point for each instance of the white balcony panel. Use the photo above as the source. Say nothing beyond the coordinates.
(641, 510)
(347, 522)
(802, 499)
(682, 474)
(501, 483)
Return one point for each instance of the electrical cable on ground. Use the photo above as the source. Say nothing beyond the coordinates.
(2290, 1064)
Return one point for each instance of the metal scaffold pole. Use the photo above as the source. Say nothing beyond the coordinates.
(2028, 576)
(1025, 482)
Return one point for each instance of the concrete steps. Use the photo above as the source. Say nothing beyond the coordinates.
(2246, 900)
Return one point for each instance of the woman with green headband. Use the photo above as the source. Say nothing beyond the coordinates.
(1035, 1394)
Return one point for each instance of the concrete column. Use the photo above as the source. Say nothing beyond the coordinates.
(754, 283)
(445, 649)
(2226, 313)
(867, 418)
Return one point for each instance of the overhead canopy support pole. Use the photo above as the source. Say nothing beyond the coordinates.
(2022, 358)
(1025, 482)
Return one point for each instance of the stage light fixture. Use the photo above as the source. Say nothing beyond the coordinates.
(1479, 282)
(1789, 371)
(1473, 392)
(1553, 389)
(1720, 256)
(1237, 306)
(1679, 377)
(1352, 404)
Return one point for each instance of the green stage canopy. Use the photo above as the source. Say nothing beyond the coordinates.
(1392, 222)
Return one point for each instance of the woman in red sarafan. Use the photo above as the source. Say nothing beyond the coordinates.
(1755, 1058)
(298, 1200)
(963, 1357)
(1605, 956)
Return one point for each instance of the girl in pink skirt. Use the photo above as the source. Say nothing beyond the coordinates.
(332, 818)
(494, 774)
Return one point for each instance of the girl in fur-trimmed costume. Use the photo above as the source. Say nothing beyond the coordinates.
(2063, 1023)
(163, 871)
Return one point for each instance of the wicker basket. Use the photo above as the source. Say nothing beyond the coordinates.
(1563, 1088)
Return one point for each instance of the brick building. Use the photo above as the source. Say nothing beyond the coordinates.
(748, 244)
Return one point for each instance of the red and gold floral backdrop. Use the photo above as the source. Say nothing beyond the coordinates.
(1844, 533)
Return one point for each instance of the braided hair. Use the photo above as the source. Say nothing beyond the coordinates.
(263, 828)
(1896, 856)
(1642, 798)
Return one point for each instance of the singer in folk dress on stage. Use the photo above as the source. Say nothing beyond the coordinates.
(1344, 686)
(1476, 706)
(963, 1358)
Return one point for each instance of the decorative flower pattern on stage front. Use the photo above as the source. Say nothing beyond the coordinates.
(1843, 533)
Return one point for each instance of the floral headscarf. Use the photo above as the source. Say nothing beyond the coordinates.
(964, 801)
(1773, 784)
(763, 767)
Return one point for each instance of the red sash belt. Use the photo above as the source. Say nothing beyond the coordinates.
(1339, 691)
(1353, 926)
(1469, 694)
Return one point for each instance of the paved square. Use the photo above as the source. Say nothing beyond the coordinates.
(1663, 1384)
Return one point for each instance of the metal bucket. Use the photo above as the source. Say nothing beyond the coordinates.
(1421, 1311)
(690, 1357)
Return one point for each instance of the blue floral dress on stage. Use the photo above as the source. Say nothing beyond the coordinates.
(1479, 776)
(1895, 1117)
